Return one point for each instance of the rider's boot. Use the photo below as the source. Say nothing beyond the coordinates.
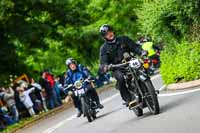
(132, 102)
(95, 97)
(79, 113)
(100, 106)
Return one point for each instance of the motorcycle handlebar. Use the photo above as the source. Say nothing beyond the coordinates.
(117, 65)
(71, 85)
(68, 86)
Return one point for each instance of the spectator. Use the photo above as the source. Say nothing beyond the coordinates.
(57, 88)
(8, 97)
(25, 98)
(39, 95)
(62, 78)
(23, 112)
(5, 120)
(63, 93)
(51, 98)
(54, 102)
(50, 79)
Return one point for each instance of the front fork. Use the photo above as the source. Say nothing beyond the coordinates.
(136, 88)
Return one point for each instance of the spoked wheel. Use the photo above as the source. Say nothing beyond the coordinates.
(138, 111)
(151, 98)
(86, 110)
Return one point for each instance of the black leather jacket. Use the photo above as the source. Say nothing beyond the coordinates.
(112, 52)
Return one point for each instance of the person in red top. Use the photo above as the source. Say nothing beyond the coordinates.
(47, 82)
(50, 78)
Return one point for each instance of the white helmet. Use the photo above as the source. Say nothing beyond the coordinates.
(70, 61)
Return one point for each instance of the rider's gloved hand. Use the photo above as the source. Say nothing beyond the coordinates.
(105, 68)
(108, 68)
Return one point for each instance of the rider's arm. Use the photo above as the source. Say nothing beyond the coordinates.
(103, 59)
(68, 79)
(132, 45)
(84, 71)
(103, 56)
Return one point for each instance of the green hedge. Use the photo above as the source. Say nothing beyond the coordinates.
(169, 19)
(181, 63)
(170, 22)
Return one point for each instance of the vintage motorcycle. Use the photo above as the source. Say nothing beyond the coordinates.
(89, 106)
(139, 85)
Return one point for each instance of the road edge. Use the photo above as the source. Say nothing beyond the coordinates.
(184, 85)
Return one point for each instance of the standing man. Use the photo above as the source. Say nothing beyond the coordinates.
(47, 86)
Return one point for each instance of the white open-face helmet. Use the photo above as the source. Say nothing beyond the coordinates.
(70, 61)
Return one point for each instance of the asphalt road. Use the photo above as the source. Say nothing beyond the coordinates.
(179, 114)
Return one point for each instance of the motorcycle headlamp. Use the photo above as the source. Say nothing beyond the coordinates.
(78, 84)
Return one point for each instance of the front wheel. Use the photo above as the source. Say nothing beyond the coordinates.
(85, 109)
(94, 115)
(151, 98)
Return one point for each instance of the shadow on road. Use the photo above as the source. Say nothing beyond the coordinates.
(103, 115)
(174, 103)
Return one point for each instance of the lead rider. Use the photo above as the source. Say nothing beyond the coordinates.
(112, 52)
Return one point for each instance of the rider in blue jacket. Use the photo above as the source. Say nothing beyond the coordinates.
(76, 72)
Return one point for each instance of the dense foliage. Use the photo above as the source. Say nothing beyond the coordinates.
(171, 20)
(40, 34)
(182, 64)
(177, 23)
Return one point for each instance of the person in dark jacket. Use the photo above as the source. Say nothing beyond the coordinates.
(112, 52)
(47, 85)
(37, 97)
(58, 89)
(76, 72)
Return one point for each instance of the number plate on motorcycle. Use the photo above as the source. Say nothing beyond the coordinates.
(135, 63)
(81, 91)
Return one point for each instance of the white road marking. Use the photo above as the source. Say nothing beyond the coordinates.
(52, 129)
(162, 88)
(110, 98)
(178, 93)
